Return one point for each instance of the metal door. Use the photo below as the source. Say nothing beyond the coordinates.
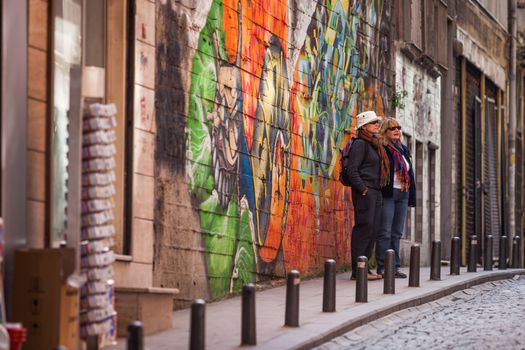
(491, 208)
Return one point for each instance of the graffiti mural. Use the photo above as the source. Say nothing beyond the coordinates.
(264, 132)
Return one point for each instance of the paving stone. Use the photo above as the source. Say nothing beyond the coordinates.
(489, 316)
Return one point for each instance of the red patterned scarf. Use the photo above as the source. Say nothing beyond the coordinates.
(400, 167)
(373, 140)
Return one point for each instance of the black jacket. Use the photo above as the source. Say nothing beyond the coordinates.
(388, 190)
(364, 168)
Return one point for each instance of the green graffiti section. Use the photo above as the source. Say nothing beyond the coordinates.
(227, 230)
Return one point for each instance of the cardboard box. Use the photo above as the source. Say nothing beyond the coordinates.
(43, 301)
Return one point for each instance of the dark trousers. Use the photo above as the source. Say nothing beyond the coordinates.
(367, 223)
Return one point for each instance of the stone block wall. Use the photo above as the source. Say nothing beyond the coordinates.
(37, 105)
(135, 271)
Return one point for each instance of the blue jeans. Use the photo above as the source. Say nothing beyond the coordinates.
(393, 216)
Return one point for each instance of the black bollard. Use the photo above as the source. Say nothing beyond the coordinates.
(197, 331)
(454, 255)
(248, 331)
(413, 278)
(473, 254)
(389, 286)
(435, 261)
(291, 317)
(329, 286)
(488, 253)
(92, 342)
(516, 252)
(502, 259)
(135, 336)
(361, 286)
(522, 249)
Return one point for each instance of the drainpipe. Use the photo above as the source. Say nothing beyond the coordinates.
(13, 148)
(512, 120)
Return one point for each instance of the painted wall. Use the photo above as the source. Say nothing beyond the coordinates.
(253, 101)
(421, 120)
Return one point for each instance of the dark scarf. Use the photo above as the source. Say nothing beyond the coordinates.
(400, 167)
(374, 141)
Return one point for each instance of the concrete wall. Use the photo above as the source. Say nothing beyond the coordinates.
(422, 122)
(252, 102)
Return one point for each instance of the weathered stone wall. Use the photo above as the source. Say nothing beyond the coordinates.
(485, 42)
(253, 99)
(421, 120)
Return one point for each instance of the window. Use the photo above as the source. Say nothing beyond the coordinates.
(422, 26)
(65, 138)
(108, 24)
(90, 50)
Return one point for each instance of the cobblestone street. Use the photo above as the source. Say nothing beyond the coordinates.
(488, 316)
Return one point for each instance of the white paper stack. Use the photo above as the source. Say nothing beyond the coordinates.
(97, 313)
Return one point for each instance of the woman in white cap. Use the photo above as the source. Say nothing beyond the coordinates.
(368, 172)
(398, 194)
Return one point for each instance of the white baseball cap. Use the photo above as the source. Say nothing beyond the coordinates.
(365, 118)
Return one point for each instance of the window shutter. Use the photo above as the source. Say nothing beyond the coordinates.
(429, 12)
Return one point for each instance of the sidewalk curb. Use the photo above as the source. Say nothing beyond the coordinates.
(318, 332)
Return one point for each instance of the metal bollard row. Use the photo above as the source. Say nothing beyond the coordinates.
(135, 339)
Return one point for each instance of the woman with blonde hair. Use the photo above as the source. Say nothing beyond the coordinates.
(398, 194)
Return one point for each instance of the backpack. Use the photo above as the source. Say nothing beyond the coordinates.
(344, 176)
(344, 161)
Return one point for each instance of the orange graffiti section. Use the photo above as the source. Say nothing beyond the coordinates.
(230, 20)
(259, 21)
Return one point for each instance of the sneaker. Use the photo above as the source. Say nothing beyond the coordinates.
(400, 274)
(380, 271)
(374, 276)
(371, 276)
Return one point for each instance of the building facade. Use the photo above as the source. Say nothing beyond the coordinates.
(419, 66)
